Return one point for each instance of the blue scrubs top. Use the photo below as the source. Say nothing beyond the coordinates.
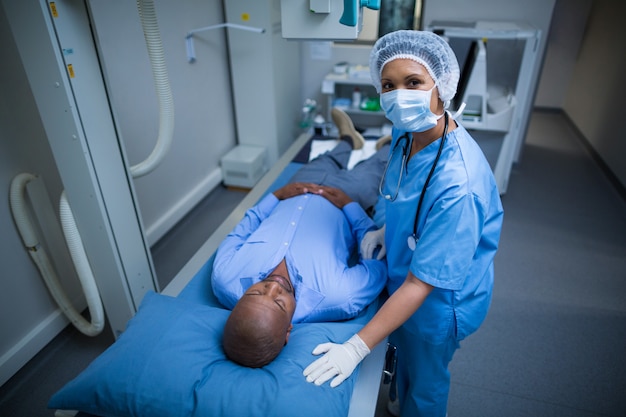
(458, 230)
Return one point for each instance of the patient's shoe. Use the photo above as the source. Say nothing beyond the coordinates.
(382, 141)
(346, 127)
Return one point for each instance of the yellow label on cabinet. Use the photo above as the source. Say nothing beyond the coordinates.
(53, 9)
(70, 70)
(245, 17)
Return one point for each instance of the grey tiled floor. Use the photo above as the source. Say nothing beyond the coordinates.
(554, 341)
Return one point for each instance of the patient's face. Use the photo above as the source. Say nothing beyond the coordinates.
(273, 297)
(260, 323)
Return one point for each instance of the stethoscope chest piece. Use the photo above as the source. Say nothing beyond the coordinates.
(412, 239)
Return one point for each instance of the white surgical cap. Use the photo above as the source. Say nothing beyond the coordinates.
(425, 48)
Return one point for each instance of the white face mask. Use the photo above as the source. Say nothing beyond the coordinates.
(409, 110)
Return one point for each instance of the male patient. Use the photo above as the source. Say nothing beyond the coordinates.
(294, 256)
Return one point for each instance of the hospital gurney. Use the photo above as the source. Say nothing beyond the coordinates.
(169, 360)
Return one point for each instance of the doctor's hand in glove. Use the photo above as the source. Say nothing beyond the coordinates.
(339, 361)
(371, 241)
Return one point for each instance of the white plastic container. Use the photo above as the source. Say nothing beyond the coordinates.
(244, 165)
(356, 98)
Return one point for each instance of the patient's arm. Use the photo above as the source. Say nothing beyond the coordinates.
(360, 222)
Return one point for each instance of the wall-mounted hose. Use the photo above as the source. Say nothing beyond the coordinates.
(162, 85)
(40, 258)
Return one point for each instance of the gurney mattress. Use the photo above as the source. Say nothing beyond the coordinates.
(170, 362)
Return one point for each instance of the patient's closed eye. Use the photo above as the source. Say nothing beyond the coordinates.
(279, 301)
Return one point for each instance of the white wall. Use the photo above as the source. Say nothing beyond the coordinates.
(564, 39)
(204, 119)
(595, 97)
(265, 71)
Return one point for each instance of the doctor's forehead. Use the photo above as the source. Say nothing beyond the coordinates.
(403, 66)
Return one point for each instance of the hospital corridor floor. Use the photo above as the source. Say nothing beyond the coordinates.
(554, 340)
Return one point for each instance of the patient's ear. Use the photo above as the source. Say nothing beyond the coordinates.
(288, 333)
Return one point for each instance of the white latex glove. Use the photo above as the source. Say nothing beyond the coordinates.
(371, 241)
(339, 361)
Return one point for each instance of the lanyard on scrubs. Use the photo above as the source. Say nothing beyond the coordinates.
(412, 240)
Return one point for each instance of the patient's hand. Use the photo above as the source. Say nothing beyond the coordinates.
(334, 195)
(294, 189)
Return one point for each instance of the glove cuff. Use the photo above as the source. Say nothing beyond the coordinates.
(360, 348)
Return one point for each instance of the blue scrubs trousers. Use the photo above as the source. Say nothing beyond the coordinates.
(423, 379)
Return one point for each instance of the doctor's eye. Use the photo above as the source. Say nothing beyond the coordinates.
(386, 86)
(414, 83)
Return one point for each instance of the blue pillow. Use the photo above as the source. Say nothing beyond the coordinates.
(170, 362)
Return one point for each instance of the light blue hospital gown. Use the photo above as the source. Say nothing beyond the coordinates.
(458, 231)
(317, 240)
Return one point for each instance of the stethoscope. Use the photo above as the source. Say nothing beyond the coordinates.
(406, 141)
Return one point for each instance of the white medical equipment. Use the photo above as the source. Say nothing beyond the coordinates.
(71, 233)
(244, 165)
(488, 106)
(497, 60)
(324, 19)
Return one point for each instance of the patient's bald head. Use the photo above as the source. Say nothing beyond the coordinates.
(260, 324)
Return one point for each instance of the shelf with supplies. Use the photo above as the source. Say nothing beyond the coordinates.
(342, 89)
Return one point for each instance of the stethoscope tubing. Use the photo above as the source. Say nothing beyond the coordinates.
(406, 146)
(430, 175)
(405, 152)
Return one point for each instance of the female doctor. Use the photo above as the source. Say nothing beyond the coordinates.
(443, 219)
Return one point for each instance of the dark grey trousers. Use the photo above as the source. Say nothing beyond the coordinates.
(360, 183)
